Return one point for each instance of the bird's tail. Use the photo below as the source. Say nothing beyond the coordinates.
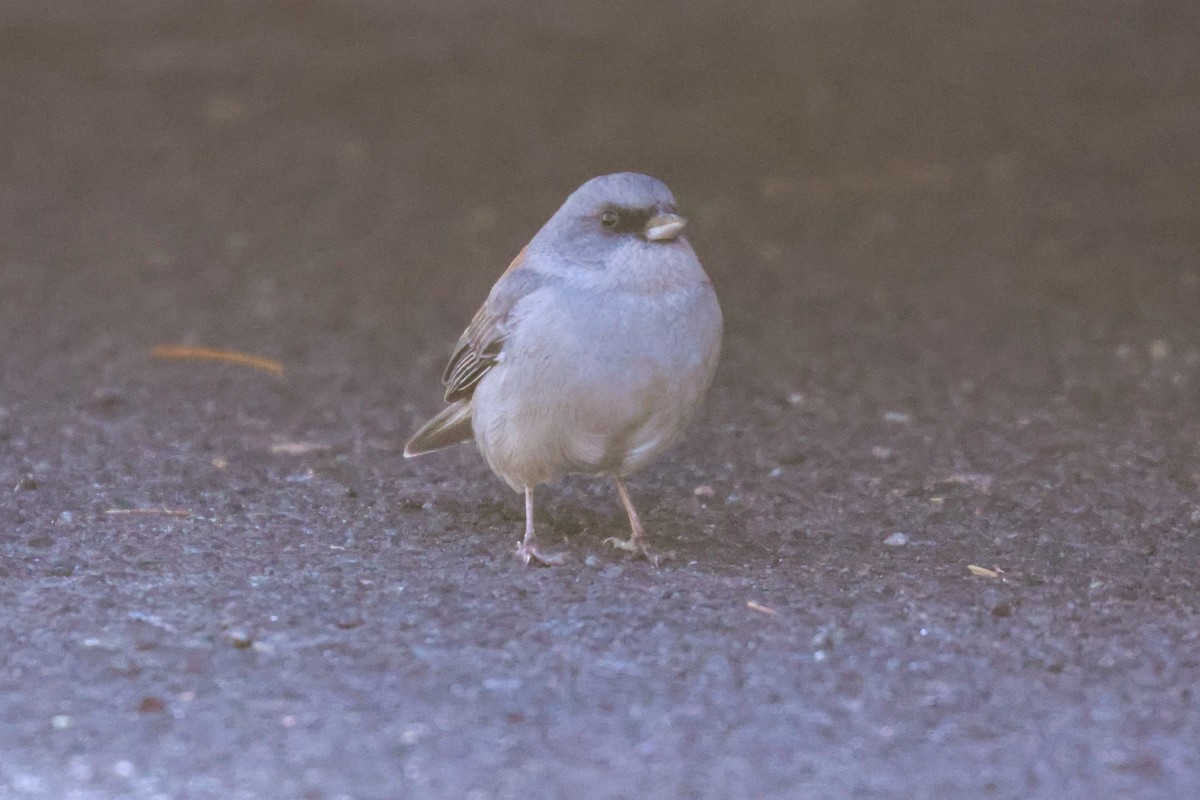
(451, 426)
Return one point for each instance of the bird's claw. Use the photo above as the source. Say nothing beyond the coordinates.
(529, 551)
(639, 549)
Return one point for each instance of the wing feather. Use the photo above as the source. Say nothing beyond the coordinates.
(481, 344)
(477, 351)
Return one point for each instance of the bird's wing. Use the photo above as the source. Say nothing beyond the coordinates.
(480, 345)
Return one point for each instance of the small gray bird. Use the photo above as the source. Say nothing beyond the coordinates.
(593, 351)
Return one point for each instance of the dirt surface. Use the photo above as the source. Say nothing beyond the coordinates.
(958, 252)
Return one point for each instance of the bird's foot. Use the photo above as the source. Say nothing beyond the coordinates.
(639, 549)
(528, 552)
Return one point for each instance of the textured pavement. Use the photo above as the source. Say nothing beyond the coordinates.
(946, 541)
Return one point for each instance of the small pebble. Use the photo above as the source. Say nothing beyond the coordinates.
(897, 539)
(151, 705)
(414, 733)
(1160, 349)
(898, 417)
(704, 491)
(239, 638)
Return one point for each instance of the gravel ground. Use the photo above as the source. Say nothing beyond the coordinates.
(937, 530)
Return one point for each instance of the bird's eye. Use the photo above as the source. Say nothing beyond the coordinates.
(610, 218)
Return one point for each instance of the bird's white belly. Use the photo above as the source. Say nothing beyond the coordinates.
(589, 400)
(532, 432)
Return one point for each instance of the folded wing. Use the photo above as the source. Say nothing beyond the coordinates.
(477, 351)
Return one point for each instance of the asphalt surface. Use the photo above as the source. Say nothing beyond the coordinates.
(947, 536)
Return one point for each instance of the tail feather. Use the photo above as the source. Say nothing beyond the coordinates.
(451, 426)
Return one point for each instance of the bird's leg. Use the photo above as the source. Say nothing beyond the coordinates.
(528, 549)
(636, 543)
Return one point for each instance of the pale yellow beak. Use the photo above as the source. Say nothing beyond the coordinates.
(664, 227)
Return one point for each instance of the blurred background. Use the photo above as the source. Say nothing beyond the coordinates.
(390, 157)
(958, 251)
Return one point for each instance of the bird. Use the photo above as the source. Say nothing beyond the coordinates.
(591, 354)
